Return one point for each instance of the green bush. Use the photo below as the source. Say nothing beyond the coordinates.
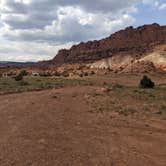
(146, 83)
(19, 77)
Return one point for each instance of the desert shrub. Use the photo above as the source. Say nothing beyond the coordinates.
(42, 74)
(24, 73)
(19, 77)
(45, 74)
(81, 75)
(86, 74)
(57, 74)
(146, 82)
(92, 73)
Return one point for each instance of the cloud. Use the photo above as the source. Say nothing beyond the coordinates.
(162, 6)
(157, 4)
(48, 25)
(28, 51)
(63, 21)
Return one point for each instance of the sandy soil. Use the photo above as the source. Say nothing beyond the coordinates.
(56, 128)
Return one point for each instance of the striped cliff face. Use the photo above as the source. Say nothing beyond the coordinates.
(155, 60)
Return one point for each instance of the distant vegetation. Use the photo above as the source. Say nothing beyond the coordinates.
(27, 83)
(20, 76)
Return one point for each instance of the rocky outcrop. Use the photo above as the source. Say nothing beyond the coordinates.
(131, 41)
(155, 60)
(140, 67)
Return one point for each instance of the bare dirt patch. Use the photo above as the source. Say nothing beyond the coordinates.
(60, 127)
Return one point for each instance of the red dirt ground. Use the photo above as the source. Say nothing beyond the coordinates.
(56, 128)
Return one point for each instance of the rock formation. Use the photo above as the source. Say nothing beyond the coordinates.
(118, 50)
(129, 41)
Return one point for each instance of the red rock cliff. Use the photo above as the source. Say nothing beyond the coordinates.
(133, 41)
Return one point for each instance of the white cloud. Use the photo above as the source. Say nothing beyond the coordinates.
(162, 6)
(157, 4)
(44, 26)
(28, 51)
(72, 24)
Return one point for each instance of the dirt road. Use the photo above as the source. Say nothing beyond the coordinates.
(57, 128)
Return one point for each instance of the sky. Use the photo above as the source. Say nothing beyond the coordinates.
(34, 30)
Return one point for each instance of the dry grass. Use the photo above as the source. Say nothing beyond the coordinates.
(130, 100)
(9, 85)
